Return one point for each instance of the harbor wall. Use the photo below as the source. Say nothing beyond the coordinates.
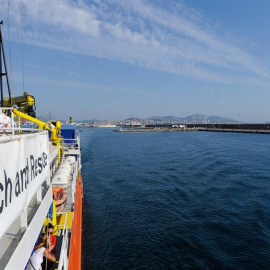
(246, 126)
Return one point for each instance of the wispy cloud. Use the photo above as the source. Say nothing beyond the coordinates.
(75, 85)
(161, 35)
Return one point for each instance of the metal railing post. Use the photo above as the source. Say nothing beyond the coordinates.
(12, 122)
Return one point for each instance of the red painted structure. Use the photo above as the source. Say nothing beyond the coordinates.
(75, 252)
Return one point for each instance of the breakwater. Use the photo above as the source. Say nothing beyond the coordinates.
(213, 129)
(159, 129)
(258, 131)
(243, 126)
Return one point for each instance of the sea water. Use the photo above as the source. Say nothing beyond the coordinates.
(175, 200)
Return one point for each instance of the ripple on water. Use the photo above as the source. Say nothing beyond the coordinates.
(186, 200)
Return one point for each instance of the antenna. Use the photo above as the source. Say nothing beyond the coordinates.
(2, 53)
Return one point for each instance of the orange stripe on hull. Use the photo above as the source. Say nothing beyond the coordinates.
(76, 236)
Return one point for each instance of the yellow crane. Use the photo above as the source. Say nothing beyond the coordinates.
(53, 127)
(26, 109)
(25, 103)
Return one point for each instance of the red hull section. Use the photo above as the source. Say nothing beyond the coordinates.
(76, 236)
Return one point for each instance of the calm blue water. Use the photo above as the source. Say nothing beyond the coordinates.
(183, 200)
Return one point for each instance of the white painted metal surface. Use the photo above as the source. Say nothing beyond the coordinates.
(23, 251)
(63, 258)
(21, 175)
(31, 225)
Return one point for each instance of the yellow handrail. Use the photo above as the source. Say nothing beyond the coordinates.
(42, 125)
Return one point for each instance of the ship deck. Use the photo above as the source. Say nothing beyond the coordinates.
(19, 239)
(11, 239)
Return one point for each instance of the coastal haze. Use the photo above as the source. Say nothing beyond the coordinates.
(195, 118)
(115, 59)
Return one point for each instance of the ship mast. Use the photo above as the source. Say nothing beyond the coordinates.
(2, 54)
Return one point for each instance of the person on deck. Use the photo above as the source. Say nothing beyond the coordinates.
(51, 243)
(51, 238)
(39, 251)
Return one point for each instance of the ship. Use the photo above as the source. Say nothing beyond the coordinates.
(41, 184)
(105, 126)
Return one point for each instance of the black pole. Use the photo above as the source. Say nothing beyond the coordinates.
(6, 72)
(1, 74)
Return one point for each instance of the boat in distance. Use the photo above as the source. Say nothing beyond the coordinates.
(105, 126)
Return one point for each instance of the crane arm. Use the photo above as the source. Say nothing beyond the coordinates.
(55, 130)
(41, 124)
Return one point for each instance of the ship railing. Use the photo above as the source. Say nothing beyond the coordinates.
(17, 130)
(63, 258)
(28, 232)
(72, 147)
(11, 136)
(14, 127)
(73, 179)
(71, 143)
(74, 182)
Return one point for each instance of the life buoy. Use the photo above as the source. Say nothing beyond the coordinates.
(60, 197)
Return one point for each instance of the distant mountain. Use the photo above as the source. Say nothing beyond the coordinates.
(165, 118)
(133, 119)
(217, 119)
(194, 118)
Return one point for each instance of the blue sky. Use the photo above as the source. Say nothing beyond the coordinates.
(119, 58)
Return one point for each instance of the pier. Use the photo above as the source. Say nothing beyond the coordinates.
(237, 128)
(258, 131)
(165, 129)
